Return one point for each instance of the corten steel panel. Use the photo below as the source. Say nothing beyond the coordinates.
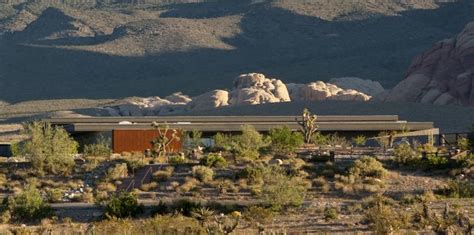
(139, 140)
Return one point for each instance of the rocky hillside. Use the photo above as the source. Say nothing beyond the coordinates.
(442, 75)
(55, 49)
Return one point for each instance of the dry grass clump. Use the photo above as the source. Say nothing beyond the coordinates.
(189, 184)
(148, 187)
(163, 175)
(322, 184)
(203, 173)
(118, 171)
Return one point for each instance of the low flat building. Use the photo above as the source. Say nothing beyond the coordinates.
(131, 131)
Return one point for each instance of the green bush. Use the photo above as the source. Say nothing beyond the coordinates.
(284, 141)
(49, 149)
(257, 215)
(177, 160)
(368, 167)
(203, 173)
(54, 195)
(123, 205)
(405, 154)
(28, 205)
(99, 149)
(464, 144)
(331, 213)
(245, 145)
(280, 190)
(213, 160)
(254, 173)
(383, 218)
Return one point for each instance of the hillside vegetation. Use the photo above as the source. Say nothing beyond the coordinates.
(111, 49)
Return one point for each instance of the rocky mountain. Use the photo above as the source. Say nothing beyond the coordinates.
(442, 75)
(248, 89)
(58, 49)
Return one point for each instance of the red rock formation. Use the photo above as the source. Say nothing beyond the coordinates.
(442, 75)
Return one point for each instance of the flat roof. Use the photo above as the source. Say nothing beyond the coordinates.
(205, 119)
(234, 123)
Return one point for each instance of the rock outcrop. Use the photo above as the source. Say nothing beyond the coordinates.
(443, 75)
(255, 88)
(318, 91)
(248, 89)
(365, 86)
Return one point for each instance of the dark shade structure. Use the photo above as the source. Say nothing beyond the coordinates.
(140, 140)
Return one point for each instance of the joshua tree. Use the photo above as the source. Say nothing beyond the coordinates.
(308, 125)
(162, 142)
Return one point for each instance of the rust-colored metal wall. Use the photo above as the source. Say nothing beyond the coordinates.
(139, 140)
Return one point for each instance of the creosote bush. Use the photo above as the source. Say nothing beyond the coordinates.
(27, 206)
(245, 145)
(284, 141)
(405, 154)
(213, 160)
(280, 190)
(368, 167)
(50, 149)
(123, 205)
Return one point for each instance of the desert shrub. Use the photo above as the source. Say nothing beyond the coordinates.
(119, 171)
(458, 189)
(284, 141)
(225, 185)
(50, 149)
(245, 145)
(253, 173)
(123, 205)
(405, 154)
(368, 167)
(365, 175)
(213, 160)
(383, 218)
(203, 173)
(177, 160)
(257, 215)
(331, 213)
(433, 161)
(464, 144)
(335, 140)
(322, 183)
(189, 184)
(54, 195)
(320, 139)
(280, 190)
(99, 149)
(163, 175)
(28, 205)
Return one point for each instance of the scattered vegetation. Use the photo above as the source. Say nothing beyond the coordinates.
(49, 149)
